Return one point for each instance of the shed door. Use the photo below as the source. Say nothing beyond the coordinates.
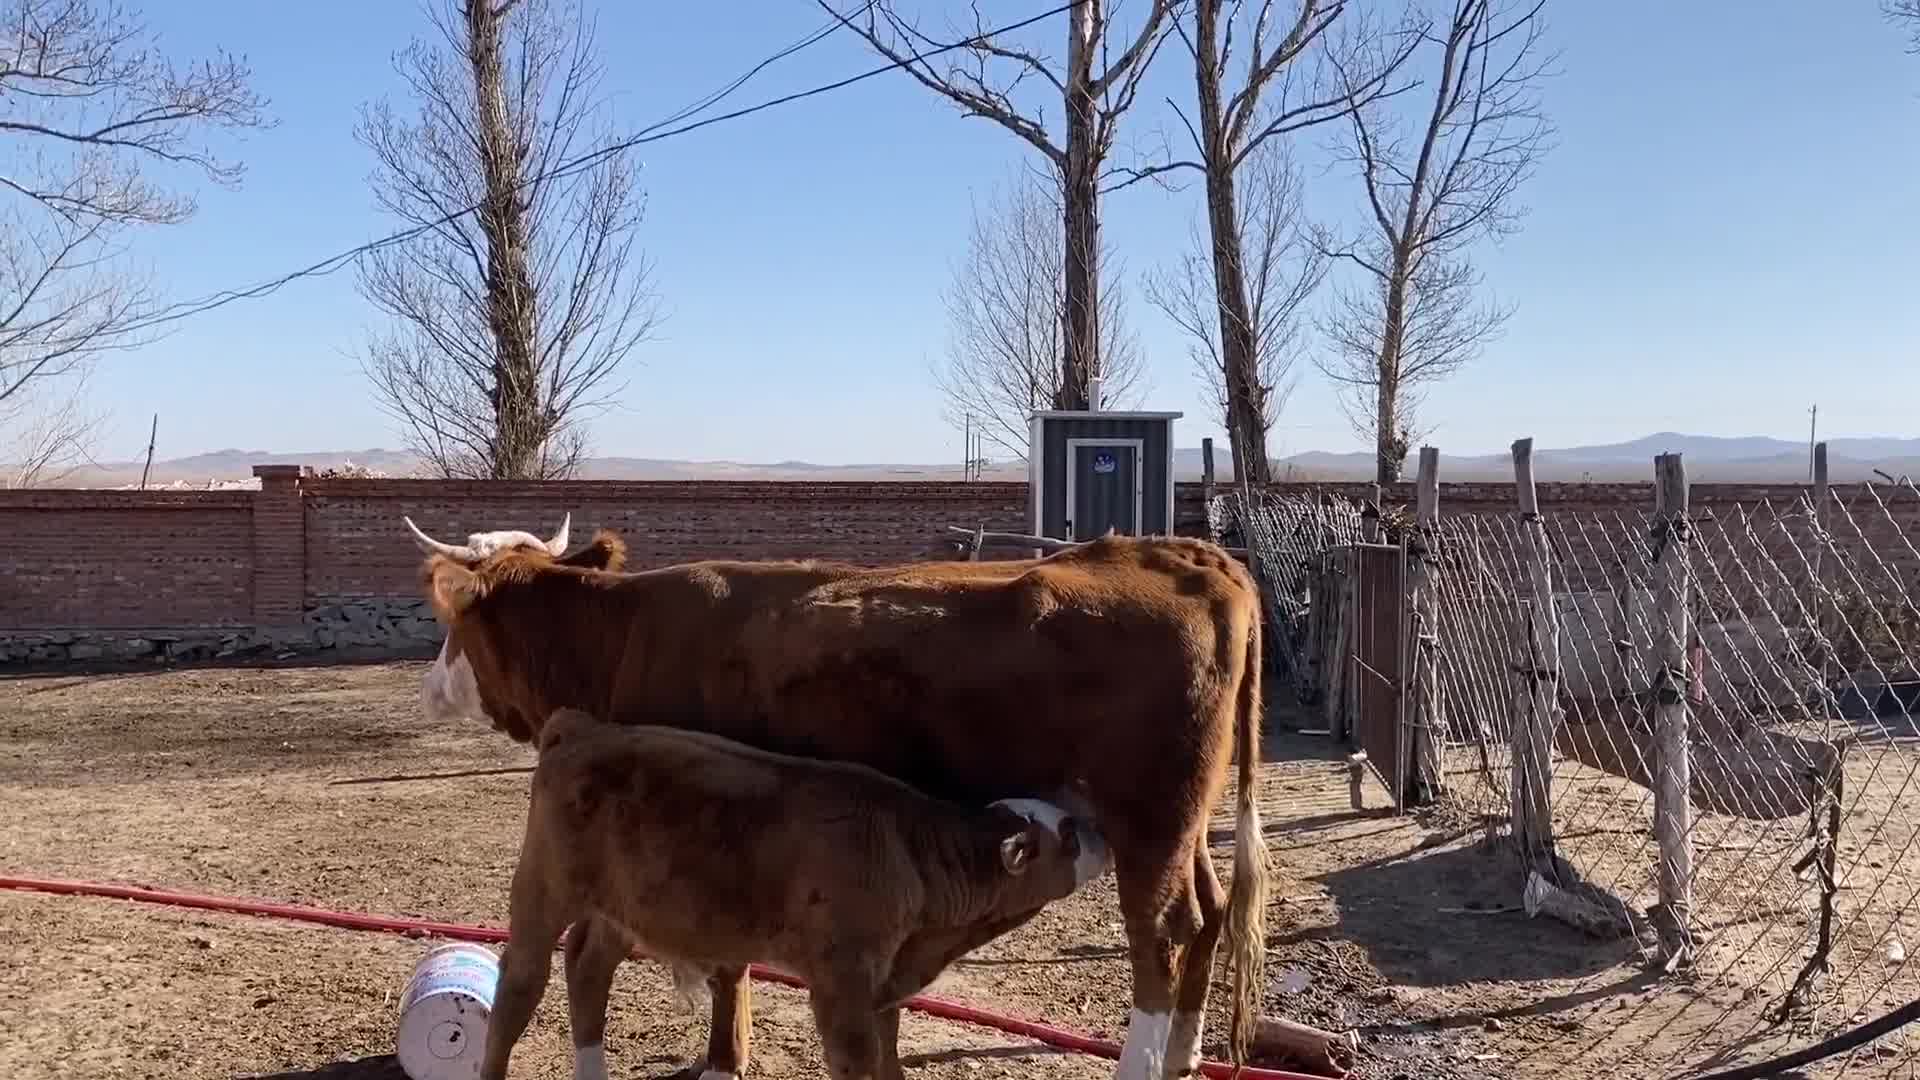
(1378, 616)
(1103, 487)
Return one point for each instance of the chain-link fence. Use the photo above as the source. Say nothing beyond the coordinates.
(1791, 862)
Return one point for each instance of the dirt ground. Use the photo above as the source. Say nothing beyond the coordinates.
(316, 786)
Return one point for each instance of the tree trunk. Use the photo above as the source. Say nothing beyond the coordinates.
(519, 426)
(1080, 194)
(1388, 454)
(1390, 451)
(1239, 347)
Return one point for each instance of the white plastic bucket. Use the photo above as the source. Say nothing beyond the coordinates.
(444, 1012)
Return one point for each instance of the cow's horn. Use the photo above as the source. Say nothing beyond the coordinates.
(435, 547)
(557, 546)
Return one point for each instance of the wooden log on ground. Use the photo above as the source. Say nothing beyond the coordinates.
(1310, 1048)
(1585, 908)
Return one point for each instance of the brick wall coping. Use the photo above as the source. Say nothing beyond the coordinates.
(1474, 491)
(659, 490)
(92, 499)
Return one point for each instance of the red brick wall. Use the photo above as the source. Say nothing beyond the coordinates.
(358, 546)
(112, 559)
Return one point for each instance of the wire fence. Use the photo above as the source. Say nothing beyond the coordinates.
(1802, 683)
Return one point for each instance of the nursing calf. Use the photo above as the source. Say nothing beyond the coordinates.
(709, 854)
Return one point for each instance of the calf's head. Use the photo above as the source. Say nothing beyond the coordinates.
(491, 647)
(1047, 853)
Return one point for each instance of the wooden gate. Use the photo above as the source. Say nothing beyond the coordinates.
(1379, 614)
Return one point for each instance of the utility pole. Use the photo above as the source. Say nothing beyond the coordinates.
(1813, 427)
(153, 437)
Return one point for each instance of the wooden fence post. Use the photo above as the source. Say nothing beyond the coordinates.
(1673, 766)
(1422, 716)
(1822, 504)
(1339, 563)
(1532, 787)
(1206, 469)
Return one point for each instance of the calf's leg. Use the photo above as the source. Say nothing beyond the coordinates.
(731, 1029)
(887, 1030)
(534, 926)
(1196, 967)
(595, 948)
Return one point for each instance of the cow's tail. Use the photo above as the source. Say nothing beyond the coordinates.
(564, 725)
(1247, 902)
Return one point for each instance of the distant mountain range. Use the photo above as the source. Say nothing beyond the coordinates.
(1709, 458)
(1752, 459)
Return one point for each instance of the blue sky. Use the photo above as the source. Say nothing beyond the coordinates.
(1724, 233)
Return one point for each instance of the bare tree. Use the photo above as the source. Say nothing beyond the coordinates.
(88, 105)
(1434, 186)
(510, 323)
(47, 432)
(1006, 314)
(1279, 268)
(984, 83)
(1238, 118)
(1905, 13)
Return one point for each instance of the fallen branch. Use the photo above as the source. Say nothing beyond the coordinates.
(1320, 1051)
(984, 539)
(1043, 543)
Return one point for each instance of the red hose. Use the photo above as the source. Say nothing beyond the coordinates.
(347, 920)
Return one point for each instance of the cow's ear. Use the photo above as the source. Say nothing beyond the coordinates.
(1015, 851)
(607, 552)
(451, 588)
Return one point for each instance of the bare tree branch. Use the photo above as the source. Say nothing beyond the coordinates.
(1349, 64)
(509, 325)
(985, 82)
(87, 105)
(1905, 13)
(1432, 192)
(1283, 269)
(48, 433)
(1006, 318)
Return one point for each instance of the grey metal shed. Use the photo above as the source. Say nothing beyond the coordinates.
(1094, 470)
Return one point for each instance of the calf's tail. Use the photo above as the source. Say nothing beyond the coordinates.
(1247, 901)
(563, 725)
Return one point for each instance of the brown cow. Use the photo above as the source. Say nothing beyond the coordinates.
(705, 853)
(1126, 666)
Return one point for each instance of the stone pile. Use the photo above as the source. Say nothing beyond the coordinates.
(365, 626)
(373, 622)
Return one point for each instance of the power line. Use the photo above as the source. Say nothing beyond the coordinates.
(826, 29)
(650, 134)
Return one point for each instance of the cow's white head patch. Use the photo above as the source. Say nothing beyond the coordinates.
(1094, 859)
(450, 693)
